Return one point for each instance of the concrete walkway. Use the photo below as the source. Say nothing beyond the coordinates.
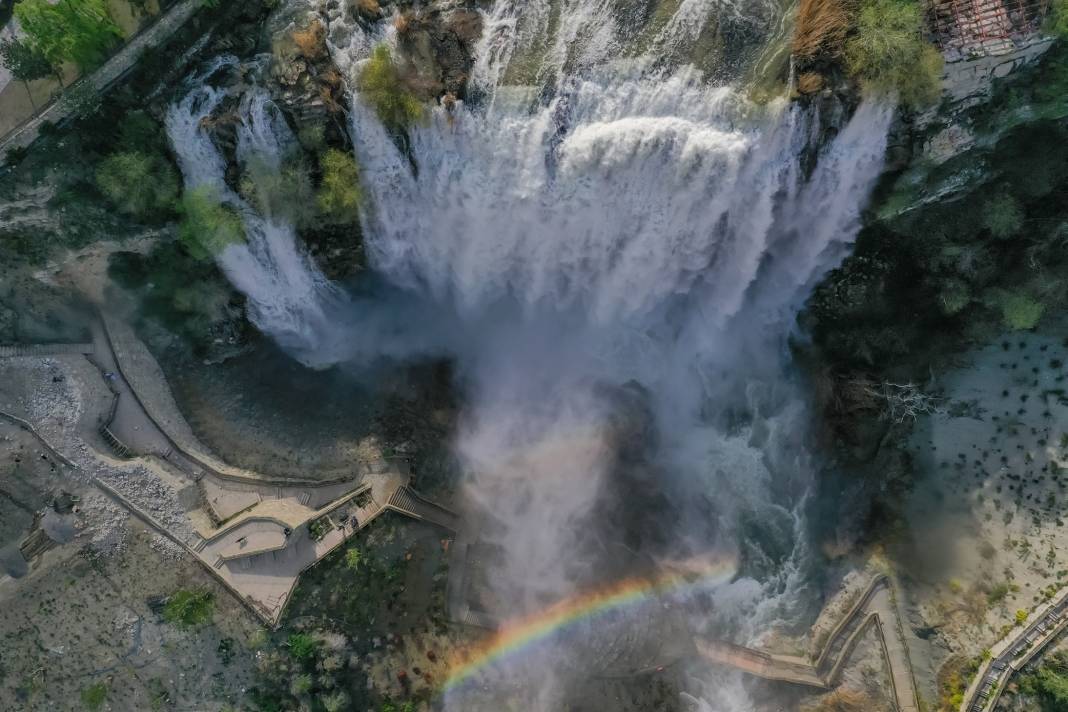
(256, 535)
(1013, 652)
(107, 74)
(876, 607)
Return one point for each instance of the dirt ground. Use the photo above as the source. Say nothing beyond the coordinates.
(84, 619)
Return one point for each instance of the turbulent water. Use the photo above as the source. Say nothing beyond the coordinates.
(611, 255)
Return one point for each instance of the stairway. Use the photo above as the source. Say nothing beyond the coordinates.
(408, 502)
(115, 444)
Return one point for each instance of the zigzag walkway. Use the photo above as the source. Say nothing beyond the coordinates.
(875, 604)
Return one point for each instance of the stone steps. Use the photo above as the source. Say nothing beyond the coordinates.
(14, 350)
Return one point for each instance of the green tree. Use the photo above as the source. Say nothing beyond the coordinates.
(888, 54)
(207, 225)
(1003, 216)
(340, 195)
(138, 184)
(25, 61)
(79, 31)
(1018, 311)
(381, 87)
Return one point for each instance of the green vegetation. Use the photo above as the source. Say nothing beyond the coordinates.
(888, 55)
(302, 646)
(25, 61)
(1021, 616)
(1049, 683)
(339, 195)
(79, 31)
(208, 226)
(1018, 311)
(138, 184)
(186, 295)
(94, 696)
(353, 559)
(280, 193)
(1058, 18)
(188, 609)
(381, 86)
(1003, 216)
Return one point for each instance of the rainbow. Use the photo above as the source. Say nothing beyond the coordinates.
(517, 636)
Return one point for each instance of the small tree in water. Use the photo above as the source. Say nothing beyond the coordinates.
(380, 84)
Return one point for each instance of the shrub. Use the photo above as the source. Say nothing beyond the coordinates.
(1003, 216)
(138, 184)
(340, 194)
(381, 87)
(302, 646)
(208, 226)
(335, 702)
(353, 559)
(187, 609)
(888, 54)
(79, 31)
(954, 296)
(1021, 616)
(1018, 311)
(301, 685)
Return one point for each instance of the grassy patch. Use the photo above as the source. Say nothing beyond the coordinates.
(188, 609)
(94, 696)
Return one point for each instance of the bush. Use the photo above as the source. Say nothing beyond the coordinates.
(208, 226)
(79, 31)
(1018, 311)
(302, 646)
(888, 54)
(340, 195)
(381, 87)
(93, 696)
(187, 609)
(1021, 616)
(1003, 216)
(138, 184)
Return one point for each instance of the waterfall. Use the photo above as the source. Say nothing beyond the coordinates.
(623, 232)
(288, 296)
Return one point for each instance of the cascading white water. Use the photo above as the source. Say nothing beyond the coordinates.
(289, 298)
(638, 226)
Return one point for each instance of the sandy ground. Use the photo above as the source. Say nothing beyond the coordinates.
(985, 535)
